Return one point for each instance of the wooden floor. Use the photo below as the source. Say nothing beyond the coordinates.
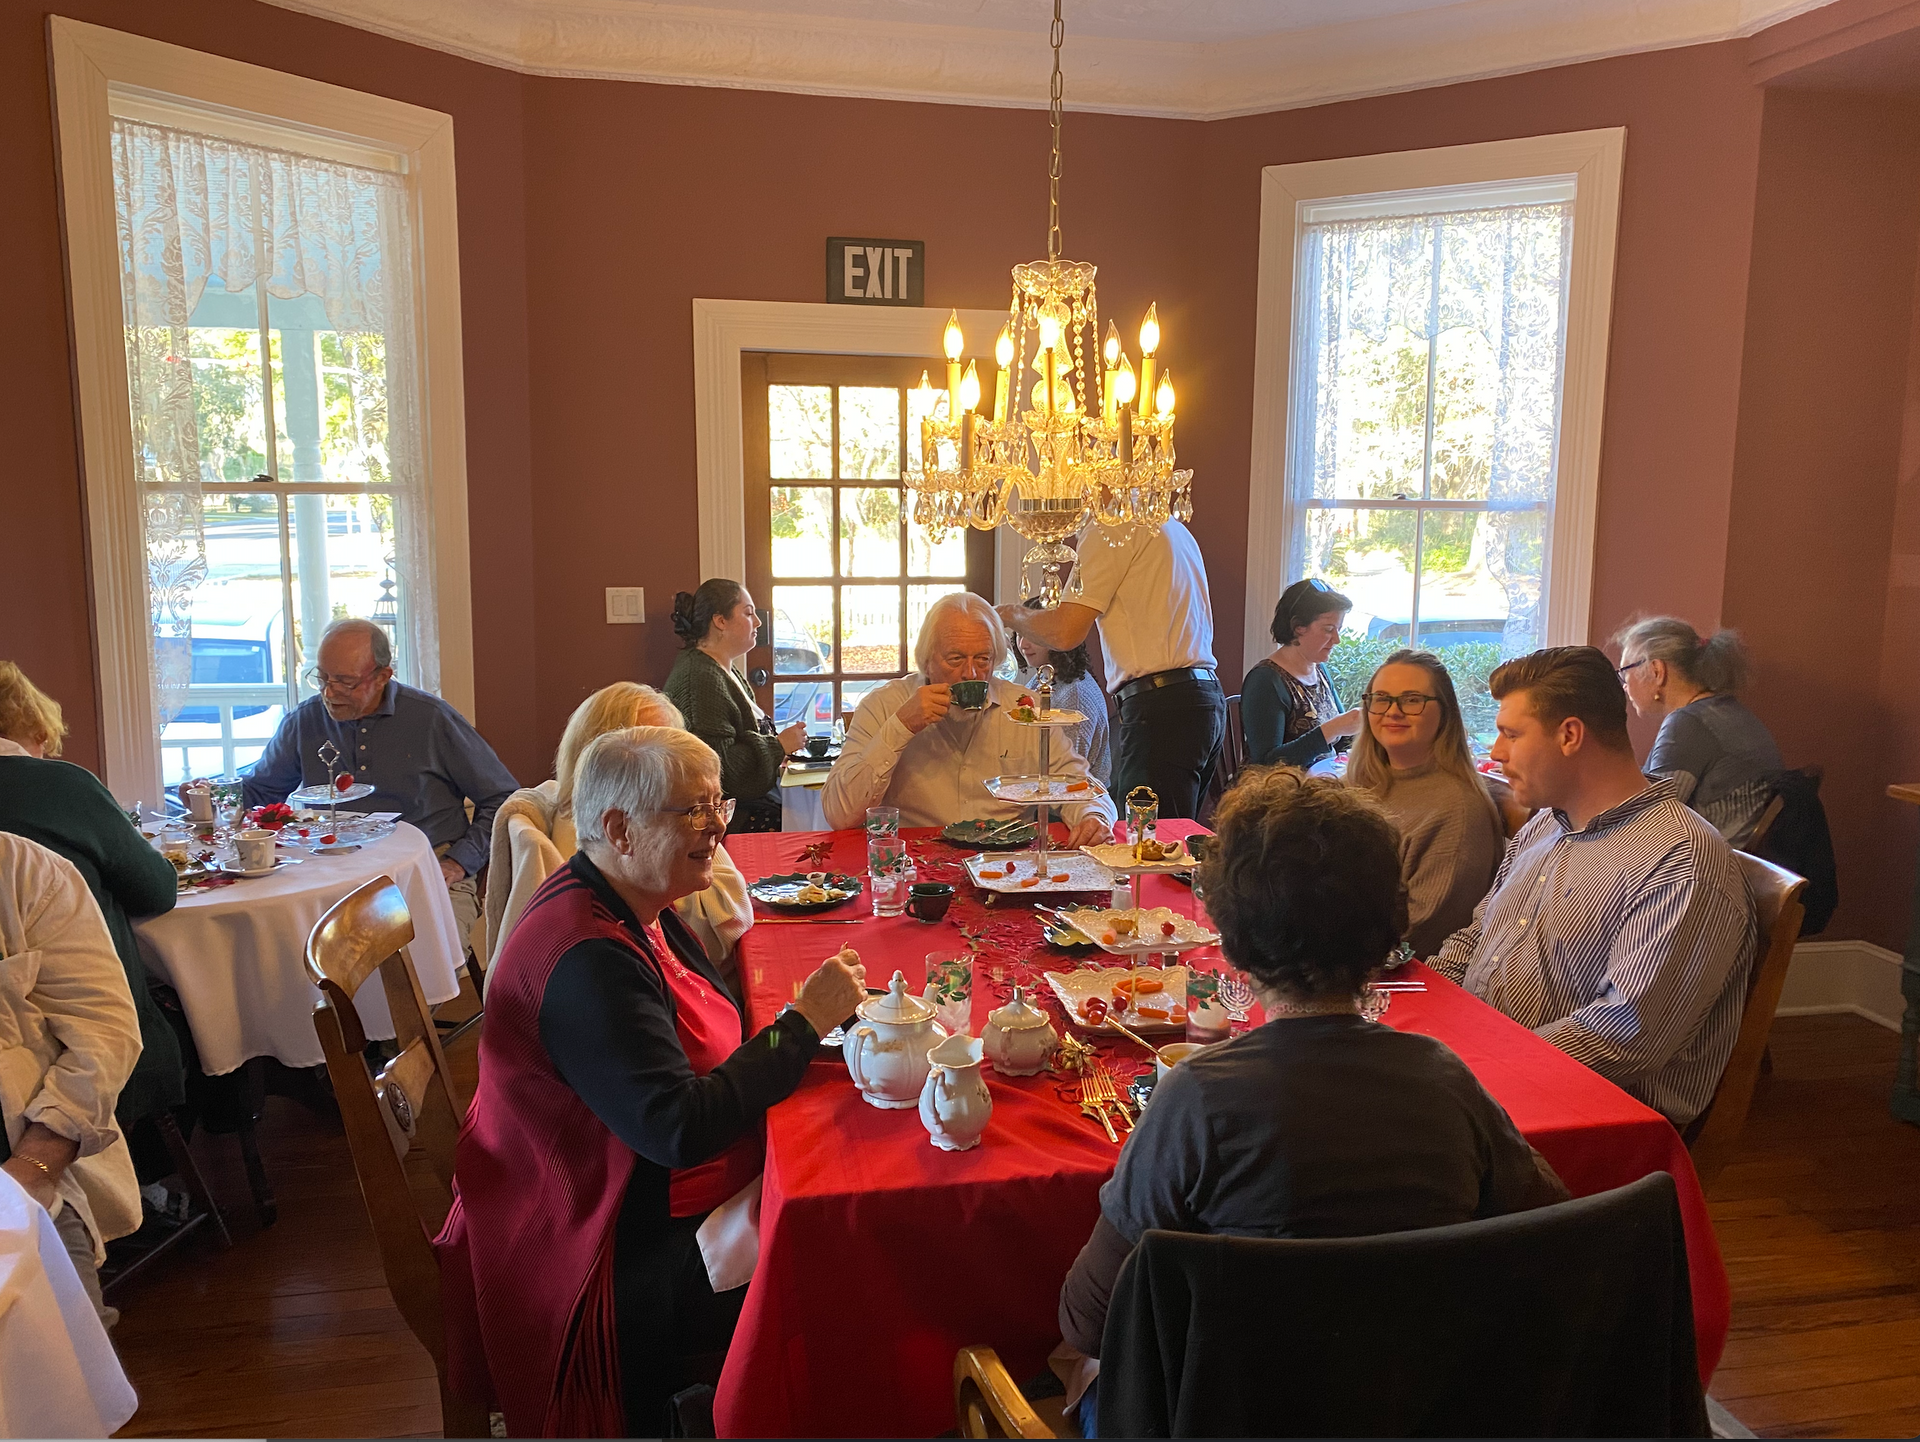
(292, 1333)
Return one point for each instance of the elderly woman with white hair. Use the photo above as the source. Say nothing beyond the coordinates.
(914, 746)
(620, 1109)
(534, 833)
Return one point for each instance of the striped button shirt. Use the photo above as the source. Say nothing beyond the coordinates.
(1626, 944)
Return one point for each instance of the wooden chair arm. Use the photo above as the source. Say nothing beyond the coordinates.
(986, 1403)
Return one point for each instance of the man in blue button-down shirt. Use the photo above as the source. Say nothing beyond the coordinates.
(419, 754)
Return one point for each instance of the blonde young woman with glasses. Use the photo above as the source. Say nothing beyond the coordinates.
(534, 833)
(1412, 757)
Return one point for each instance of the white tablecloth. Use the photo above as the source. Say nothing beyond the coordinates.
(237, 954)
(800, 808)
(58, 1374)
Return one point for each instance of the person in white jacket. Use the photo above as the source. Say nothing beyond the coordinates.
(533, 833)
(69, 1037)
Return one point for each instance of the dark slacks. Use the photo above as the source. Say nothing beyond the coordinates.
(674, 1328)
(1168, 739)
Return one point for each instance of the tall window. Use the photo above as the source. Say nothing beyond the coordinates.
(1430, 351)
(268, 297)
(832, 556)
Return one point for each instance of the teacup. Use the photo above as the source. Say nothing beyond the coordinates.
(817, 746)
(1171, 1055)
(199, 801)
(254, 849)
(969, 695)
(929, 900)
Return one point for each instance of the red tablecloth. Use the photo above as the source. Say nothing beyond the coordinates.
(882, 1256)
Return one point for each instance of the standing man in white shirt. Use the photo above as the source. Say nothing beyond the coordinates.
(1148, 591)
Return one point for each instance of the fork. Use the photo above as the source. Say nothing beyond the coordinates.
(1106, 1095)
(1090, 1104)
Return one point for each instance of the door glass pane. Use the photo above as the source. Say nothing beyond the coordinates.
(852, 693)
(870, 531)
(869, 433)
(802, 629)
(949, 558)
(802, 519)
(343, 565)
(870, 630)
(920, 600)
(232, 658)
(800, 423)
(808, 701)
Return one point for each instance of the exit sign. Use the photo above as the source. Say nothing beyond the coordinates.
(875, 272)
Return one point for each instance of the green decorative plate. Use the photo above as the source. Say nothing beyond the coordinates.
(990, 835)
(784, 892)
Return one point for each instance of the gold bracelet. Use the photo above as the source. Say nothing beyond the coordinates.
(45, 1170)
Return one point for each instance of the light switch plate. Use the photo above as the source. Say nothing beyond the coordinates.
(626, 605)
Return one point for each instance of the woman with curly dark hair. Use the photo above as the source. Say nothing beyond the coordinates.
(1317, 1124)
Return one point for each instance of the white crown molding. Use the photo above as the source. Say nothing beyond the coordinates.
(956, 64)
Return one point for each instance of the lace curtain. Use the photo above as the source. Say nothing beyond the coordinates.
(1500, 272)
(195, 210)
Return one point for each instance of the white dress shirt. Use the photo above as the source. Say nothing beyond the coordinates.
(938, 775)
(1151, 592)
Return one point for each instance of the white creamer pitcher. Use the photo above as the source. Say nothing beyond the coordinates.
(955, 1104)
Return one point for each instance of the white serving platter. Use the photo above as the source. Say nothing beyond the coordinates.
(1148, 938)
(1030, 790)
(1081, 873)
(1074, 987)
(1117, 857)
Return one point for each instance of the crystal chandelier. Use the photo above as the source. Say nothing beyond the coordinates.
(1055, 453)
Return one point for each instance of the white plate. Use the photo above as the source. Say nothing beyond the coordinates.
(1117, 857)
(1187, 934)
(234, 868)
(324, 795)
(1072, 987)
(1028, 790)
(1081, 874)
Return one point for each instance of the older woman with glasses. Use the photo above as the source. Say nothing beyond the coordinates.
(1412, 757)
(534, 832)
(620, 1110)
(1289, 711)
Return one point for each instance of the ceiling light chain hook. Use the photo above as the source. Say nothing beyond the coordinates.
(1058, 36)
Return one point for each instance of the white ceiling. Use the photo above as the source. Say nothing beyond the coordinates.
(1192, 59)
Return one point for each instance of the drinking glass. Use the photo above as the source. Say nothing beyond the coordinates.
(887, 873)
(950, 989)
(883, 821)
(1208, 1019)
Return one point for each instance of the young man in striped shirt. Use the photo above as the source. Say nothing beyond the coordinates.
(1619, 926)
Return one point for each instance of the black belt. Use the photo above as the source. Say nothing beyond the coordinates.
(1178, 677)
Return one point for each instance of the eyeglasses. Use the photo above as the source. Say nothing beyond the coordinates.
(1411, 703)
(1621, 671)
(319, 680)
(707, 816)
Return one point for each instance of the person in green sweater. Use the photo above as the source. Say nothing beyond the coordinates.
(66, 809)
(717, 625)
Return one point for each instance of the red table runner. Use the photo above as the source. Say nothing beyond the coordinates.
(881, 1256)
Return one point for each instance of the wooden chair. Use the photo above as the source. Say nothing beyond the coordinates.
(1776, 903)
(1227, 762)
(987, 1404)
(409, 1106)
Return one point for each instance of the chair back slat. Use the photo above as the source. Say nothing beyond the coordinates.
(1777, 911)
(408, 1107)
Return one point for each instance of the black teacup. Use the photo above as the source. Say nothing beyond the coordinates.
(969, 695)
(929, 900)
(817, 746)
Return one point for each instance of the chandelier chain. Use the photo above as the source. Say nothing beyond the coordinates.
(1057, 37)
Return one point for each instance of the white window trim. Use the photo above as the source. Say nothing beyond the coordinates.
(722, 329)
(1594, 158)
(88, 63)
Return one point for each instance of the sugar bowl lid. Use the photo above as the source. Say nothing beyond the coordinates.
(896, 1005)
(1018, 1014)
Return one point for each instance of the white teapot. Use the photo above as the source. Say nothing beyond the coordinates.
(887, 1052)
(1018, 1039)
(955, 1103)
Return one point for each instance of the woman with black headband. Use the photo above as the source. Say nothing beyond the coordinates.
(1289, 710)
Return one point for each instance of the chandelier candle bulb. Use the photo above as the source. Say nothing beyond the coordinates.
(1163, 397)
(1149, 343)
(955, 344)
(1003, 358)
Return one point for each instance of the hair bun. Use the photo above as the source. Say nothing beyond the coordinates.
(683, 604)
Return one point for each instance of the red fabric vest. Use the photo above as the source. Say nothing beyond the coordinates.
(526, 1255)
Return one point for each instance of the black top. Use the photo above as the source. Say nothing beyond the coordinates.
(1280, 715)
(1325, 1126)
(66, 809)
